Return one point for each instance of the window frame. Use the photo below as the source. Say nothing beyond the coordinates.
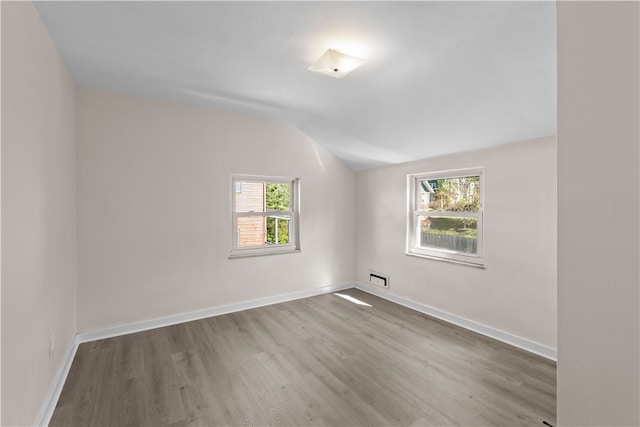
(294, 221)
(413, 248)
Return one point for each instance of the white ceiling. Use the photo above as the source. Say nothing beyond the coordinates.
(439, 77)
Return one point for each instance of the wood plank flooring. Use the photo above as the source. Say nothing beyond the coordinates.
(311, 362)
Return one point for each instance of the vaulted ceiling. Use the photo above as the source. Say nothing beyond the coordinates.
(438, 77)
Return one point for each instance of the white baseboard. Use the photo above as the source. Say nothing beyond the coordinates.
(175, 319)
(56, 387)
(524, 344)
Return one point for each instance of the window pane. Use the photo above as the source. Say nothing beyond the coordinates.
(251, 231)
(251, 198)
(424, 196)
(261, 196)
(459, 194)
(256, 231)
(450, 233)
(277, 197)
(278, 230)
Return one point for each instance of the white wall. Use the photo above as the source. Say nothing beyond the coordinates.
(154, 227)
(516, 293)
(0, 220)
(38, 212)
(598, 213)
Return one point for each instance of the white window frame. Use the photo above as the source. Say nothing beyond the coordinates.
(413, 213)
(293, 214)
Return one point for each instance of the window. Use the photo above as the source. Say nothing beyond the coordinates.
(445, 216)
(264, 215)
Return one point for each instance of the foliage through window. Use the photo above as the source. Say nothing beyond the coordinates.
(264, 215)
(445, 216)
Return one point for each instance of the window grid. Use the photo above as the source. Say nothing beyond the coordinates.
(463, 193)
(257, 229)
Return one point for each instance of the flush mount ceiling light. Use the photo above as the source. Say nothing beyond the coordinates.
(335, 64)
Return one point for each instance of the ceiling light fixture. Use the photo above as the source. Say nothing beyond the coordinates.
(335, 64)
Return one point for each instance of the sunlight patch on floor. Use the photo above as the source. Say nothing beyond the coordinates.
(352, 299)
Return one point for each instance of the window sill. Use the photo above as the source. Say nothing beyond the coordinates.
(262, 253)
(478, 264)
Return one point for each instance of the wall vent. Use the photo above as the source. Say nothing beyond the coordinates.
(378, 279)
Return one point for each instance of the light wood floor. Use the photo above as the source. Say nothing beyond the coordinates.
(316, 361)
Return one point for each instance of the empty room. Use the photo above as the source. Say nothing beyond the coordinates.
(421, 213)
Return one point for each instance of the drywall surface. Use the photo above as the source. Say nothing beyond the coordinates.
(0, 221)
(38, 212)
(598, 213)
(516, 293)
(154, 209)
